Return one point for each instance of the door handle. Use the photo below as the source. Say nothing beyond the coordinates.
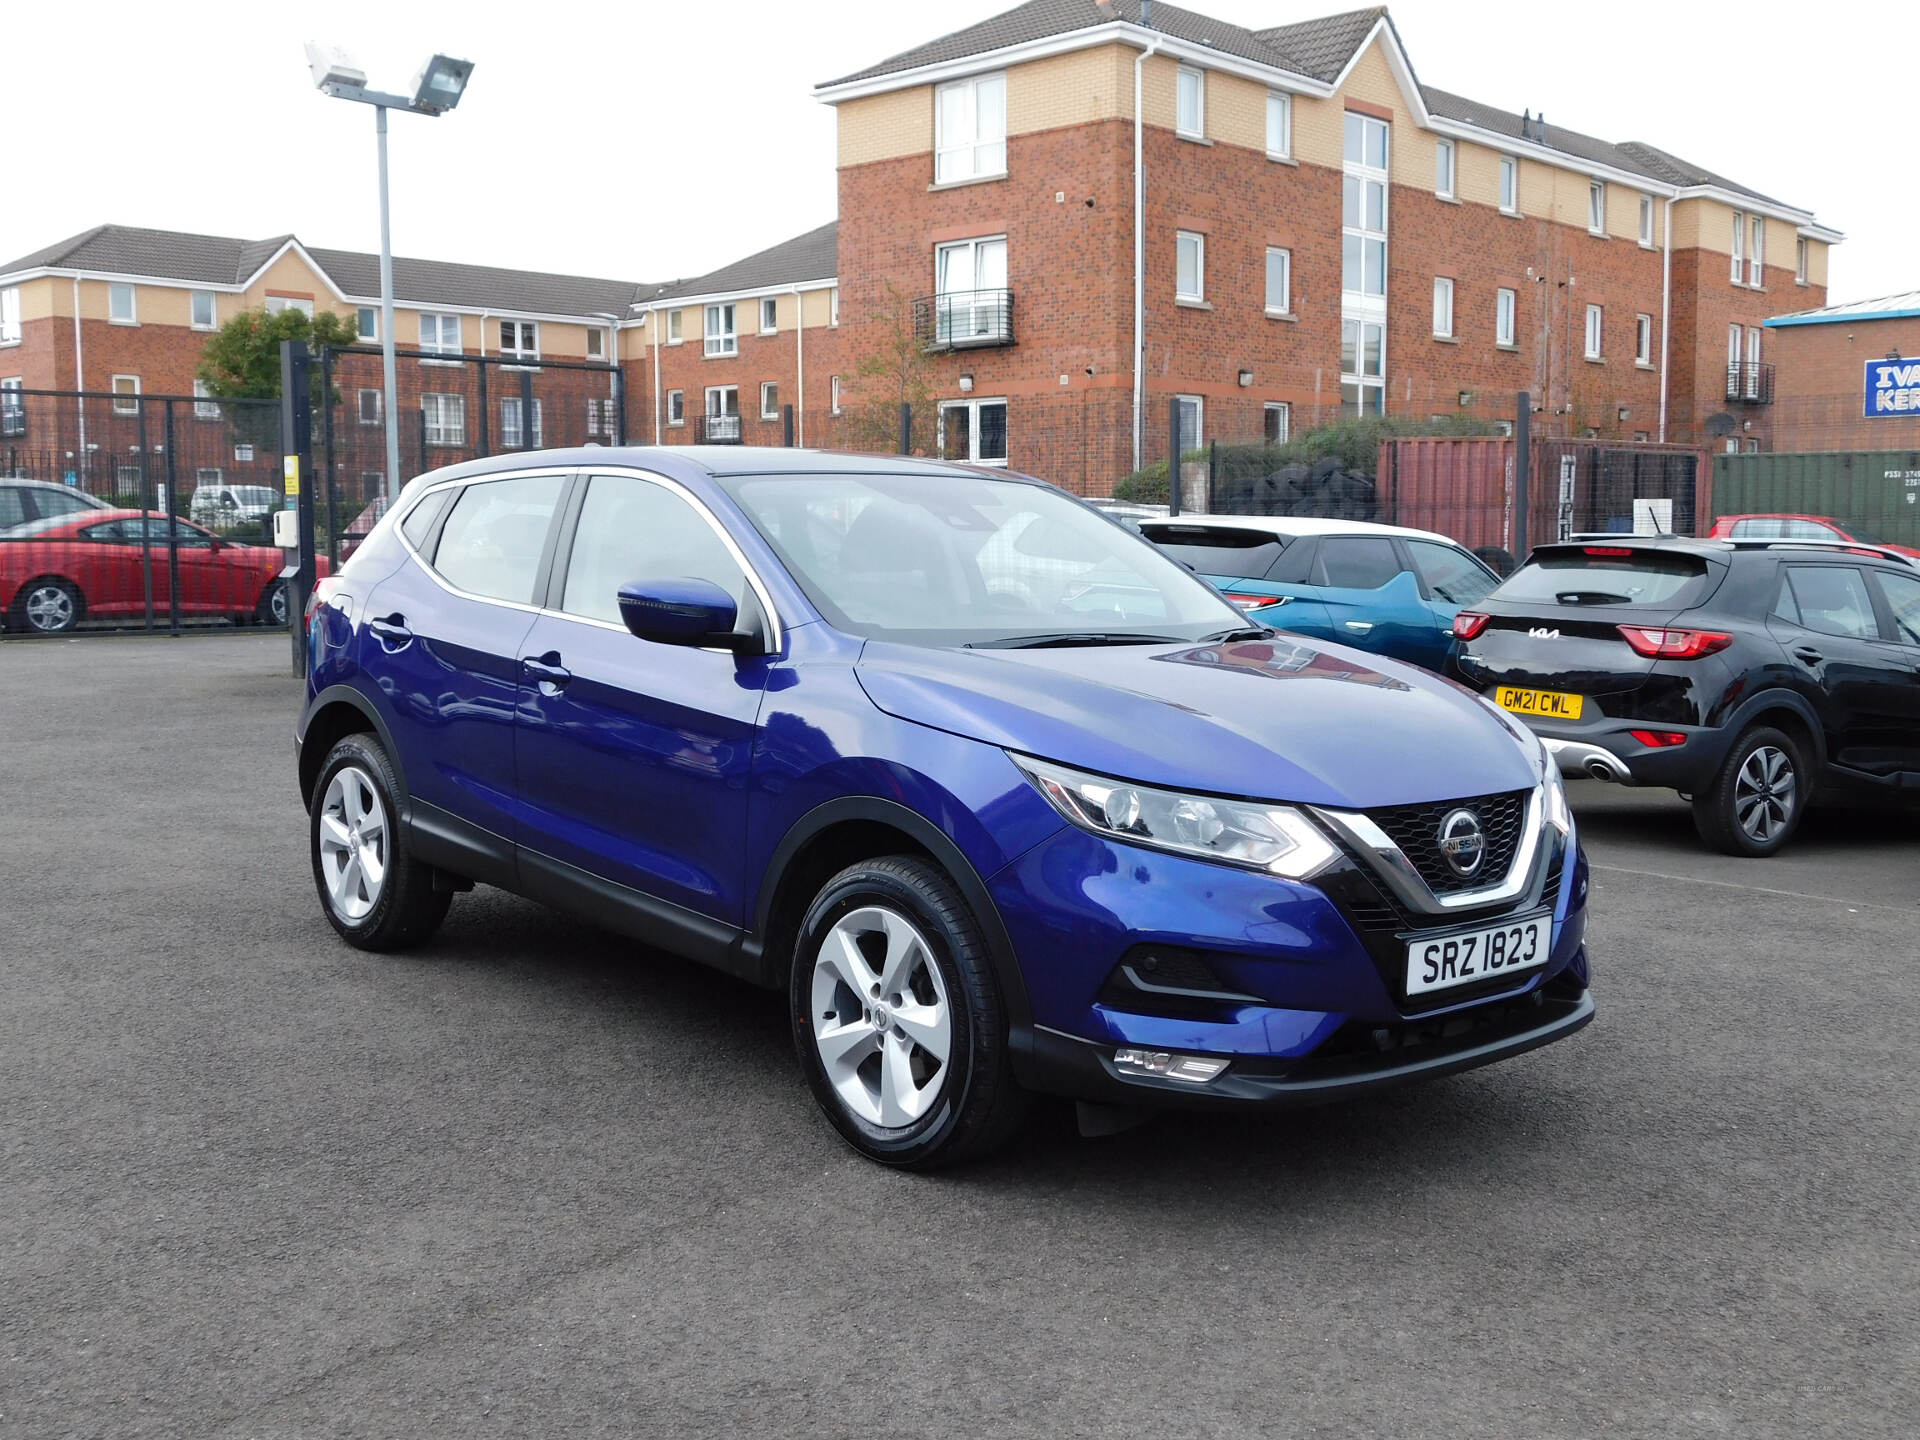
(547, 672)
(1362, 626)
(1807, 653)
(392, 631)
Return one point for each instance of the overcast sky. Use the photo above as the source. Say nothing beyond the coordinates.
(648, 140)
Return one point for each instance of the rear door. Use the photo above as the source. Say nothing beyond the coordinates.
(1373, 598)
(1826, 618)
(1900, 593)
(1450, 580)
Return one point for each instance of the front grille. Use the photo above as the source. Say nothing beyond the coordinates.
(1416, 830)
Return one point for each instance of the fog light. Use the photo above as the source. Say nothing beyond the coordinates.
(1659, 739)
(1194, 1069)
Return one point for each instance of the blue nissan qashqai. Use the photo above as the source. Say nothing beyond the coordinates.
(1005, 800)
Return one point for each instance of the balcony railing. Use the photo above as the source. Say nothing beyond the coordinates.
(964, 320)
(719, 429)
(1750, 382)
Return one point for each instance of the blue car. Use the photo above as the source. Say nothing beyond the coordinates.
(1005, 801)
(1379, 588)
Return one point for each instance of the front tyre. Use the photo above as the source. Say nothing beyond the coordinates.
(272, 609)
(1754, 803)
(47, 606)
(898, 1019)
(374, 892)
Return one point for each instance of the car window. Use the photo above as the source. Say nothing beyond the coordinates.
(493, 538)
(1758, 529)
(1833, 599)
(114, 532)
(1609, 575)
(419, 522)
(63, 502)
(1452, 575)
(634, 530)
(1356, 562)
(13, 507)
(1810, 530)
(1218, 549)
(1903, 598)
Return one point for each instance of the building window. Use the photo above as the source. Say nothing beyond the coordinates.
(1191, 119)
(970, 129)
(1646, 221)
(366, 324)
(1443, 170)
(1442, 308)
(207, 476)
(446, 418)
(13, 407)
(833, 306)
(1757, 254)
(674, 335)
(600, 417)
(1363, 216)
(126, 389)
(1503, 427)
(204, 407)
(1363, 385)
(510, 424)
(439, 334)
(1597, 208)
(520, 339)
(1751, 375)
(1190, 267)
(373, 482)
(1799, 261)
(122, 308)
(10, 315)
(676, 407)
(1643, 339)
(203, 313)
(833, 394)
(723, 415)
(1510, 184)
(769, 400)
(1279, 423)
(974, 431)
(1739, 246)
(769, 315)
(1279, 281)
(722, 337)
(1593, 332)
(596, 343)
(368, 405)
(1279, 125)
(1734, 335)
(1503, 311)
(280, 304)
(1193, 420)
(970, 281)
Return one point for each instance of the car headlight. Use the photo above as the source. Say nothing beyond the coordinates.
(1248, 833)
(1559, 813)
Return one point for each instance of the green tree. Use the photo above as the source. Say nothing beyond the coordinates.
(893, 371)
(242, 361)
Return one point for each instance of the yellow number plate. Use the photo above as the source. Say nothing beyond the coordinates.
(1552, 704)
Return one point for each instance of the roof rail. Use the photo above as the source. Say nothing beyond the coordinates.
(1850, 547)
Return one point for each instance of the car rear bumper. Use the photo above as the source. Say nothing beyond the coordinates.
(1611, 753)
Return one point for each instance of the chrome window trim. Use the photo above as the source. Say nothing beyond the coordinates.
(777, 627)
(1390, 863)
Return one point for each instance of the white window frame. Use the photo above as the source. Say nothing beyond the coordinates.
(676, 327)
(204, 406)
(1751, 375)
(676, 407)
(519, 350)
(1442, 307)
(1643, 339)
(1285, 427)
(769, 315)
(1739, 246)
(280, 304)
(727, 395)
(1596, 332)
(1802, 255)
(10, 315)
(212, 322)
(115, 290)
(1445, 174)
(975, 317)
(1285, 304)
(13, 413)
(368, 334)
(722, 332)
(1646, 221)
(833, 395)
(446, 419)
(132, 396)
(510, 437)
(769, 388)
(206, 475)
(1509, 184)
(977, 154)
(1279, 125)
(438, 345)
(360, 405)
(1596, 207)
(833, 306)
(1757, 254)
(597, 346)
(1197, 437)
(1190, 82)
(1198, 294)
(972, 405)
(1506, 314)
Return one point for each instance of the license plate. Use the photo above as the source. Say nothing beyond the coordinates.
(1553, 704)
(1466, 956)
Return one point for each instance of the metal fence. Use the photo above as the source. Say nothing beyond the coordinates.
(120, 510)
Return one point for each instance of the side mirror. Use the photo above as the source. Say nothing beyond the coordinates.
(685, 611)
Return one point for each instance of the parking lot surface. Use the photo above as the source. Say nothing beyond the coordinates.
(532, 1180)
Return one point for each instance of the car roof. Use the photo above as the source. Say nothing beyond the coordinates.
(1723, 549)
(21, 482)
(724, 460)
(1294, 526)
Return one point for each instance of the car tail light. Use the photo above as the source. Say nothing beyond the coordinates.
(1658, 644)
(1253, 602)
(1611, 550)
(1659, 739)
(1469, 623)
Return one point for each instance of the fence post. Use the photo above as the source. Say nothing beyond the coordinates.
(485, 447)
(619, 401)
(1522, 472)
(527, 438)
(786, 425)
(906, 428)
(326, 430)
(146, 497)
(173, 532)
(1173, 455)
(296, 452)
(422, 467)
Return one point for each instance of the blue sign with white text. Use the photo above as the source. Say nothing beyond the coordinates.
(1893, 388)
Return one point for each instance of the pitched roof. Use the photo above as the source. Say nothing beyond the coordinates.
(1904, 306)
(1321, 48)
(164, 254)
(812, 256)
(1676, 171)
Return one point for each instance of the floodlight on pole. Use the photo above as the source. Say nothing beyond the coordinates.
(436, 90)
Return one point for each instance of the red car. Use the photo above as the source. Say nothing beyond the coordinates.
(57, 571)
(1797, 527)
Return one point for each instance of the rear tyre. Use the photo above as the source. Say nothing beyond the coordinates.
(1754, 804)
(375, 894)
(272, 609)
(47, 606)
(898, 1018)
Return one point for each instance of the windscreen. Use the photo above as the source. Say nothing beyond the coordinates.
(1217, 549)
(1612, 575)
(969, 560)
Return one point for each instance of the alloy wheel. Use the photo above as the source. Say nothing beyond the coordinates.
(277, 603)
(1764, 793)
(49, 608)
(881, 1018)
(354, 844)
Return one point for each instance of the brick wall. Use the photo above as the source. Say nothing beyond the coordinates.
(1820, 385)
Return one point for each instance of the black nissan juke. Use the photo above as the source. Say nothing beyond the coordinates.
(1747, 675)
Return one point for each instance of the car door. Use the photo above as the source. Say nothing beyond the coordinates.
(441, 642)
(1450, 581)
(207, 585)
(1900, 622)
(1826, 618)
(1372, 597)
(109, 562)
(632, 756)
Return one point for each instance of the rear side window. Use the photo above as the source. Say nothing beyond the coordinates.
(58, 502)
(419, 522)
(13, 507)
(1451, 575)
(1356, 562)
(493, 538)
(1642, 577)
(1218, 549)
(1832, 599)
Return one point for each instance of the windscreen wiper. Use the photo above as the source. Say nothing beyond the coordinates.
(1592, 597)
(1070, 639)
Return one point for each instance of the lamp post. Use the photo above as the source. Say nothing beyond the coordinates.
(436, 90)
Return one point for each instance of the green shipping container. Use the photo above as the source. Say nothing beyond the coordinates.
(1874, 494)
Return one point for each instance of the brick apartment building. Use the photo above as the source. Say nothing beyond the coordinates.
(1849, 376)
